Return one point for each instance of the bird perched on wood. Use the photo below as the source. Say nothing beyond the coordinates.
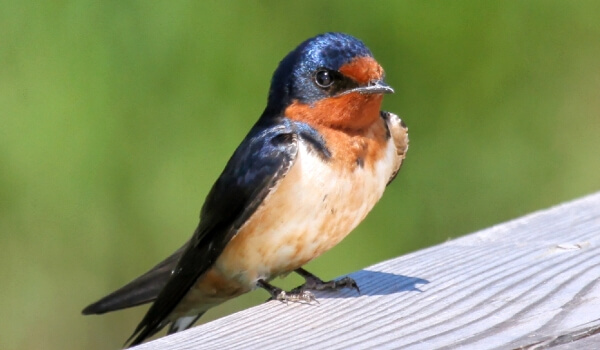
(308, 172)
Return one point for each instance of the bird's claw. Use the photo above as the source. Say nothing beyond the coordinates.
(293, 296)
(315, 283)
(342, 283)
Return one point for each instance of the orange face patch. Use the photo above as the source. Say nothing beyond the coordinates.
(362, 70)
(350, 123)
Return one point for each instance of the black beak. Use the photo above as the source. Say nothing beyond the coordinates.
(374, 87)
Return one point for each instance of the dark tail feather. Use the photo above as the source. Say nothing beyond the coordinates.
(143, 332)
(143, 289)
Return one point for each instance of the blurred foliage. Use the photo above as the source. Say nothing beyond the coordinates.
(117, 116)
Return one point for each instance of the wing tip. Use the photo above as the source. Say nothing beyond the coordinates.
(91, 310)
(99, 307)
(112, 302)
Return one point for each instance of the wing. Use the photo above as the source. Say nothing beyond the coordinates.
(258, 164)
(141, 290)
(399, 133)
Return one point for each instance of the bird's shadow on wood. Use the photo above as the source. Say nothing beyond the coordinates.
(376, 283)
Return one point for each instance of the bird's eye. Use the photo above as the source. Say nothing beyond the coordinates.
(324, 79)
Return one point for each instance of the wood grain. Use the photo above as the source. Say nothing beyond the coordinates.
(531, 283)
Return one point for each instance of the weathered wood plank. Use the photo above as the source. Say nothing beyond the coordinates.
(531, 283)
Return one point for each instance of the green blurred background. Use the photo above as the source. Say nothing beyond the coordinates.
(117, 116)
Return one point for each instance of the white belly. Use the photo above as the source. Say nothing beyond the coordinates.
(311, 210)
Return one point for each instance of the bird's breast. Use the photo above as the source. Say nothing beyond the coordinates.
(311, 210)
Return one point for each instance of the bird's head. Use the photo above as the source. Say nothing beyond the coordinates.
(330, 80)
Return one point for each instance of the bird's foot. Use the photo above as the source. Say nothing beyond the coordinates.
(315, 283)
(294, 296)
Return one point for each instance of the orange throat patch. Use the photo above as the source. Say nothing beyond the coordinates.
(350, 124)
(353, 111)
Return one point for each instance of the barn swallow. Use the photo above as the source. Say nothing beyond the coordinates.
(308, 172)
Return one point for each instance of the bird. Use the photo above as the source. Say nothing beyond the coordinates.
(307, 173)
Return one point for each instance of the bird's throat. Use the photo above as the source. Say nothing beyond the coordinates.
(352, 112)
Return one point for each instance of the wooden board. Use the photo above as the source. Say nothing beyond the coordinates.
(531, 283)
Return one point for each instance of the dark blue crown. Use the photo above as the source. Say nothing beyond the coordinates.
(293, 79)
